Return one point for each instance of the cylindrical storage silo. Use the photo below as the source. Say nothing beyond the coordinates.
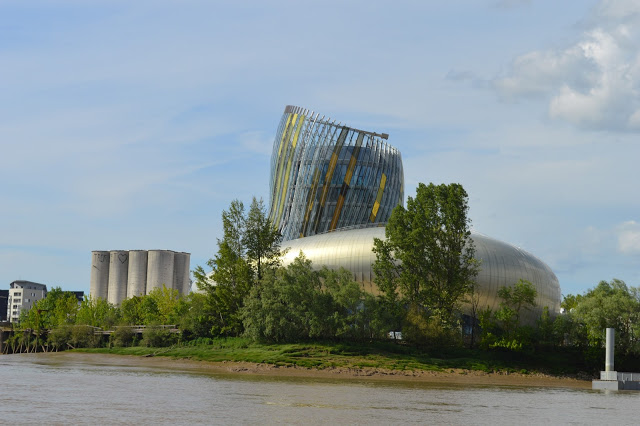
(118, 272)
(181, 273)
(160, 269)
(137, 279)
(99, 284)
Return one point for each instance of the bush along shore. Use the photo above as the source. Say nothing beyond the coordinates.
(393, 358)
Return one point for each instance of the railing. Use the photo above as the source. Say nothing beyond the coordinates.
(136, 328)
(629, 377)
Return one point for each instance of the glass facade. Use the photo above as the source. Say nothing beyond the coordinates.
(326, 176)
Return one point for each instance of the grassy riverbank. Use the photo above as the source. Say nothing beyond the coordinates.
(376, 355)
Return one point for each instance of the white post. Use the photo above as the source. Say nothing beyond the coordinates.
(608, 360)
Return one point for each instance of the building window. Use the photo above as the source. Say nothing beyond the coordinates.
(28, 300)
(17, 293)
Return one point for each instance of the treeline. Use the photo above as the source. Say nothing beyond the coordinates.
(425, 271)
(59, 322)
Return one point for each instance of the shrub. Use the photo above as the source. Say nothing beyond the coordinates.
(59, 337)
(122, 336)
(82, 336)
(424, 330)
(157, 337)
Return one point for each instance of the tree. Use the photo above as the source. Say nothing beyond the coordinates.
(428, 253)
(197, 318)
(132, 310)
(570, 301)
(97, 313)
(288, 305)
(250, 246)
(261, 240)
(57, 308)
(473, 299)
(353, 313)
(611, 304)
(166, 300)
(516, 299)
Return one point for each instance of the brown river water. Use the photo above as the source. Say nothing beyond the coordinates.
(54, 389)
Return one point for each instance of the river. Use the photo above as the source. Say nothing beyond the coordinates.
(42, 388)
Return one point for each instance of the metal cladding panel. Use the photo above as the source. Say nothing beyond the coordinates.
(181, 273)
(137, 279)
(326, 176)
(501, 264)
(160, 269)
(99, 283)
(118, 272)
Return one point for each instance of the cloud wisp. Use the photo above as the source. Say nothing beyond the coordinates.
(593, 83)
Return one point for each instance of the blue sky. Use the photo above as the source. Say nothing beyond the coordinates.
(132, 125)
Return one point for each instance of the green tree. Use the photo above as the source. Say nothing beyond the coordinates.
(610, 304)
(353, 313)
(57, 308)
(132, 311)
(231, 277)
(473, 300)
(250, 247)
(515, 300)
(288, 305)
(197, 316)
(167, 302)
(570, 301)
(261, 240)
(97, 313)
(428, 253)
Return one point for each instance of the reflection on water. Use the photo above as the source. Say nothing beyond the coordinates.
(49, 389)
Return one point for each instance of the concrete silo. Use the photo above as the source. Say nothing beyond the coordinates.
(118, 272)
(99, 283)
(137, 278)
(160, 269)
(181, 273)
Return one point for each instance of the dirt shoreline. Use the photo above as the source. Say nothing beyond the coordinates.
(453, 376)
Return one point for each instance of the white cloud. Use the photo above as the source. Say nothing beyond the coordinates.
(593, 83)
(628, 234)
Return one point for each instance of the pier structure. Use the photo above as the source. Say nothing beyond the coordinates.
(610, 379)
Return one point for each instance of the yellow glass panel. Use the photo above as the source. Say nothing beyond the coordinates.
(281, 161)
(288, 170)
(376, 205)
(346, 183)
(312, 196)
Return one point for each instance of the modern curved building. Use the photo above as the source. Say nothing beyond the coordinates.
(332, 190)
(501, 264)
(327, 176)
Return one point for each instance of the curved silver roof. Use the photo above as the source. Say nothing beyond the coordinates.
(501, 265)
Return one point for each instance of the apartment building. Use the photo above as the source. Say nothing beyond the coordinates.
(22, 296)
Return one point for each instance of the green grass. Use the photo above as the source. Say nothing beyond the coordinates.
(383, 355)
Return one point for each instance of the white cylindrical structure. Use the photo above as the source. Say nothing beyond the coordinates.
(160, 269)
(611, 344)
(181, 273)
(137, 278)
(99, 283)
(118, 272)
